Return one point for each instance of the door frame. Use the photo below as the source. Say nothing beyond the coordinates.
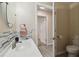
(53, 28)
(53, 25)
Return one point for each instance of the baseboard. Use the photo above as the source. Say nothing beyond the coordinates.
(59, 53)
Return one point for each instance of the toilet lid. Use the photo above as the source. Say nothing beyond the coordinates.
(72, 48)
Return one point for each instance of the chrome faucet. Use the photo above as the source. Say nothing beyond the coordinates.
(13, 44)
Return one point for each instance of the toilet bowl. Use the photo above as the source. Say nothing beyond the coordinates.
(73, 50)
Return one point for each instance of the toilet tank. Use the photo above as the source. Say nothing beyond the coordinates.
(76, 41)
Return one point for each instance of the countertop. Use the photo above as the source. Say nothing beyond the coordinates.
(25, 49)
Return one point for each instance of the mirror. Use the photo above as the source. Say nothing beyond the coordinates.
(3, 12)
(8, 15)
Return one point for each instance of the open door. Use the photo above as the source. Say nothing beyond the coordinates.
(61, 29)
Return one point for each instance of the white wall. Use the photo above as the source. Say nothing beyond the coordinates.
(22, 13)
(25, 14)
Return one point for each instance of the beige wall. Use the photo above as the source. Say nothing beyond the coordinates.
(62, 28)
(3, 24)
(67, 24)
(74, 21)
(10, 17)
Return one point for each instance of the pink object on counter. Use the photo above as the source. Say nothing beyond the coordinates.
(23, 30)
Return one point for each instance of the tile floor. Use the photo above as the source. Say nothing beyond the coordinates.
(45, 50)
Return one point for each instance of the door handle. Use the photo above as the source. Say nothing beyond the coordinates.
(57, 37)
(54, 38)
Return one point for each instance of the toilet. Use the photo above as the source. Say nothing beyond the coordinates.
(73, 50)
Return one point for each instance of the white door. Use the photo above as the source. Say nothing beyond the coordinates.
(42, 29)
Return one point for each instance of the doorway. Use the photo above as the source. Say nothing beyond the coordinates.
(44, 30)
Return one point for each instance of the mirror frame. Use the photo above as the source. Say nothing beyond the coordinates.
(9, 24)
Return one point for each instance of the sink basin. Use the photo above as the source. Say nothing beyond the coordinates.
(25, 49)
(19, 46)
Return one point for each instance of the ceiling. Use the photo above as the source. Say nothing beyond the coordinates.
(62, 4)
(67, 3)
(46, 5)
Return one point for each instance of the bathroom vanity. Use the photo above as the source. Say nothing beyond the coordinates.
(26, 48)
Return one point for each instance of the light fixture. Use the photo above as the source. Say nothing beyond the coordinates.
(42, 8)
